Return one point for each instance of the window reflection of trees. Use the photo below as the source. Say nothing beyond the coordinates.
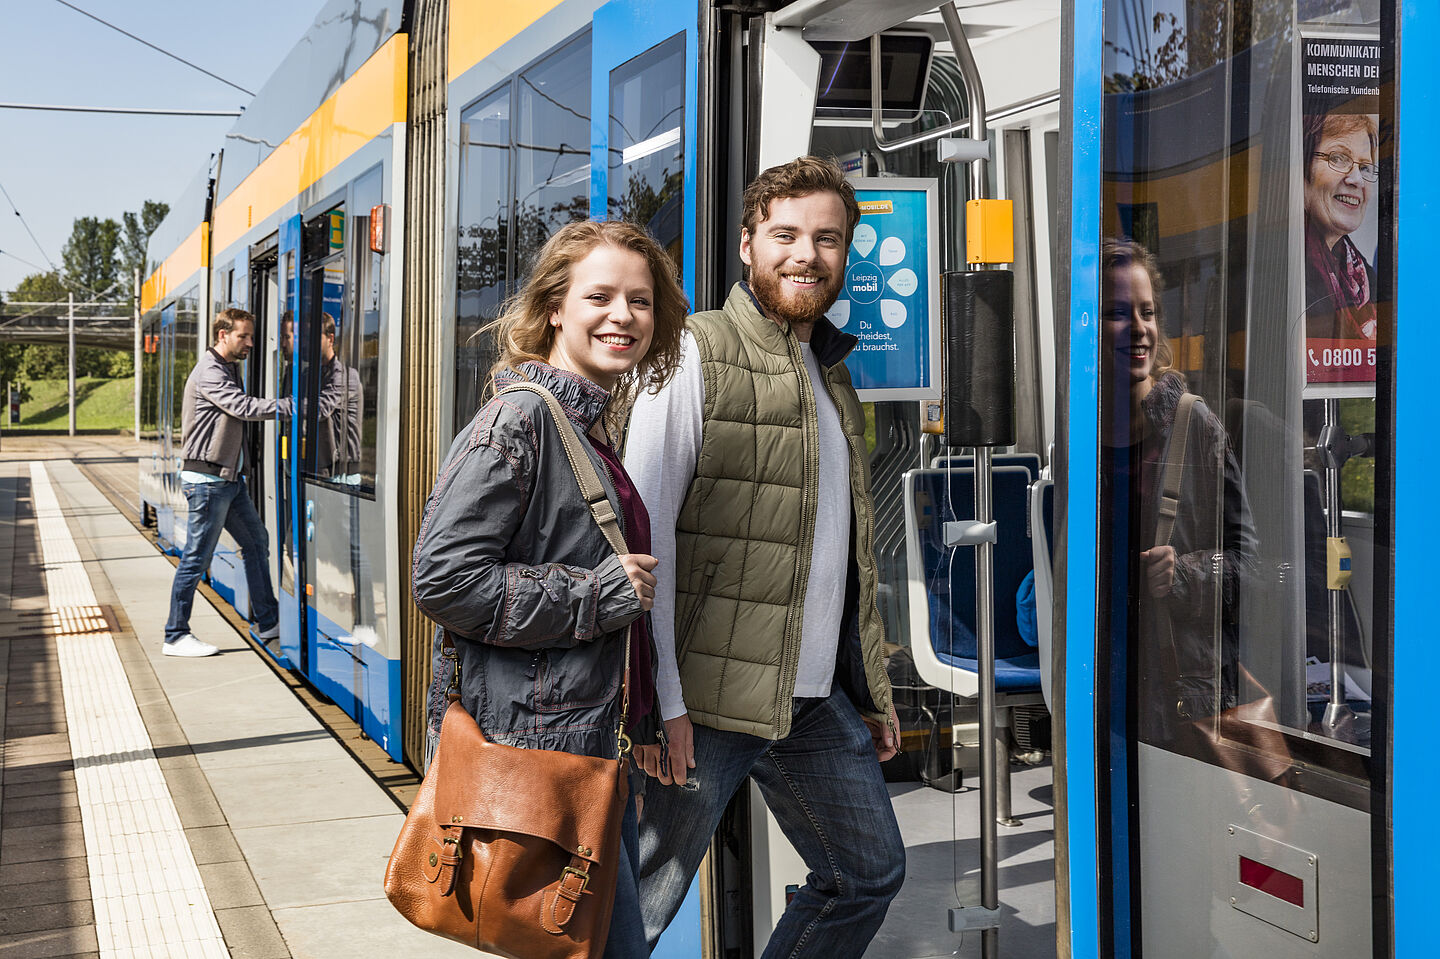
(525, 174)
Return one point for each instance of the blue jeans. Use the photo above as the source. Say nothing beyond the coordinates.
(627, 929)
(824, 785)
(215, 507)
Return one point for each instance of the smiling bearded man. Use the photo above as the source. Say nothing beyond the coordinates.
(752, 463)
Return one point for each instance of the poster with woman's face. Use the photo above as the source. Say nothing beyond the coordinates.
(1340, 101)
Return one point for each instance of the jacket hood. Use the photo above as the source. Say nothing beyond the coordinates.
(584, 402)
(830, 344)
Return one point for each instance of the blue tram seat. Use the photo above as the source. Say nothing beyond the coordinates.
(942, 582)
(1030, 461)
(1042, 536)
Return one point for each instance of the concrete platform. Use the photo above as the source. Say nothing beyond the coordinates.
(152, 806)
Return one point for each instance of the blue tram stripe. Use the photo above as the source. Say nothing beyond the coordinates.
(1083, 477)
(1415, 776)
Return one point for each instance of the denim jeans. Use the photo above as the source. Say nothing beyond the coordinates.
(627, 928)
(215, 507)
(824, 785)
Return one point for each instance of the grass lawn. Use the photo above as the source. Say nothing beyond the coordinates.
(100, 405)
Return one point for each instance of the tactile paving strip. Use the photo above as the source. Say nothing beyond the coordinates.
(148, 896)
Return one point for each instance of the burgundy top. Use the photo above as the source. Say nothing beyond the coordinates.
(637, 538)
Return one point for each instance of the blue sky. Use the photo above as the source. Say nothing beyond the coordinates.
(60, 166)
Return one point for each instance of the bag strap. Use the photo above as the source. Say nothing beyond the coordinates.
(1174, 469)
(596, 499)
(590, 486)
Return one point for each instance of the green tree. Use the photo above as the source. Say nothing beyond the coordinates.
(92, 256)
(12, 359)
(137, 230)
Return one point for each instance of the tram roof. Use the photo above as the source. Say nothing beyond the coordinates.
(345, 34)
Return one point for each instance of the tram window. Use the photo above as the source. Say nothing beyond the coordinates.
(187, 350)
(552, 148)
(359, 345)
(330, 430)
(482, 245)
(223, 294)
(647, 143)
(503, 220)
(149, 377)
(1242, 636)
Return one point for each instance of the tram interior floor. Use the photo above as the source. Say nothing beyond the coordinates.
(942, 845)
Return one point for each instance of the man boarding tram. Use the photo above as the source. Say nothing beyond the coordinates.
(771, 650)
(215, 410)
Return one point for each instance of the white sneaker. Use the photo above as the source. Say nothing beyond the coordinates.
(265, 635)
(188, 645)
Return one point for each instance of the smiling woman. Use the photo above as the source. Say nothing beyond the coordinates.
(1339, 282)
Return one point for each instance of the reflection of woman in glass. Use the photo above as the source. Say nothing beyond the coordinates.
(1187, 588)
(1339, 174)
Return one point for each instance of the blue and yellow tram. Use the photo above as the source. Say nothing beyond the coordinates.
(382, 196)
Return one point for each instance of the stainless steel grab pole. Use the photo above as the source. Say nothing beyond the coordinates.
(984, 552)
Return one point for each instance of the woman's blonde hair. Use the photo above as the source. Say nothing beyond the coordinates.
(1119, 253)
(523, 331)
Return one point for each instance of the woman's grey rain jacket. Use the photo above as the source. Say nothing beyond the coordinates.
(510, 560)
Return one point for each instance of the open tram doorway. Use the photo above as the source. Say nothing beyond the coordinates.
(265, 371)
(771, 114)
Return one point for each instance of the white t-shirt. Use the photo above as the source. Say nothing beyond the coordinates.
(662, 448)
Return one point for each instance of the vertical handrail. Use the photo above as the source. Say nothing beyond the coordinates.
(985, 551)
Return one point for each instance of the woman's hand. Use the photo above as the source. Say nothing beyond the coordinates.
(638, 567)
(1159, 569)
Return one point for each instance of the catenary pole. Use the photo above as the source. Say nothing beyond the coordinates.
(138, 384)
(72, 364)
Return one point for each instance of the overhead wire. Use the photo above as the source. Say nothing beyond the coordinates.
(27, 229)
(145, 111)
(12, 256)
(172, 56)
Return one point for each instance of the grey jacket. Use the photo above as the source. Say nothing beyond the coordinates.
(341, 408)
(1189, 641)
(213, 416)
(511, 562)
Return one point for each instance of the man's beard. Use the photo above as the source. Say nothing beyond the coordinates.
(802, 306)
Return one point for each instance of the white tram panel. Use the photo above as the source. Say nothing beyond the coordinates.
(1196, 823)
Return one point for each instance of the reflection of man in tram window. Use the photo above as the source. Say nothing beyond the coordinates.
(287, 351)
(1339, 174)
(338, 437)
(1187, 589)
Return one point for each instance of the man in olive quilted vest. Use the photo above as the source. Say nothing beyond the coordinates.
(753, 465)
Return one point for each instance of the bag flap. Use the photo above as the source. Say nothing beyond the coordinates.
(557, 796)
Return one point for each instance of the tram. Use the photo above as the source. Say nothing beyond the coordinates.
(382, 196)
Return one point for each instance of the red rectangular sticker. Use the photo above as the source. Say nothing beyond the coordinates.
(1272, 881)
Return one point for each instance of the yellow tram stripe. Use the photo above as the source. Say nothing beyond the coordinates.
(480, 27)
(189, 258)
(365, 106)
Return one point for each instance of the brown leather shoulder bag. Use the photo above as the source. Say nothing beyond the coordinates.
(514, 851)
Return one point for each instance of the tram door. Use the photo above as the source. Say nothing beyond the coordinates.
(1239, 631)
(292, 644)
(643, 109)
(170, 537)
(264, 290)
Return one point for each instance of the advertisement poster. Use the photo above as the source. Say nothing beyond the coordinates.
(891, 298)
(1340, 102)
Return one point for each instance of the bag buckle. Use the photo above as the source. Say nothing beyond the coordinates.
(582, 874)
